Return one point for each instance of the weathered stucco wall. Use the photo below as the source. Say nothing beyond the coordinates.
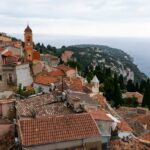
(23, 75)
(86, 144)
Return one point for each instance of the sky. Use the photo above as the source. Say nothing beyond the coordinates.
(107, 18)
(123, 24)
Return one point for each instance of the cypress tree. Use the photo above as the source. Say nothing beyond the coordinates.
(137, 87)
(130, 86)
(109, 88)
(117, 96)
(142, 86)
(146, 98)
(121, 82)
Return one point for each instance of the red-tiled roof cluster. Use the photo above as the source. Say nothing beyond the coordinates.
(74, 84)
(56, 73)
(145, 137)
(57, 129)
(100, 115)
(100, 99)
(137, 95)
(64, 68)
(144, 119)
(43, 105)
(124, 126)
(131, 144)
(45, 79)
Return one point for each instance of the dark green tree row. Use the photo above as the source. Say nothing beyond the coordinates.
(115, 85)
(146, 99)
(133, 87)
(112, 90)
(45, 49)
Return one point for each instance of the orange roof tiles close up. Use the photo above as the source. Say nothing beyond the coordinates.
(64, 68)
(56, 73)
(100, 115)
(144, 119)
(137, 95)
(145, 137)
(7, 53)
(57, 129)
(74, 84)
(100, 99)
(124, 126)
(44, 79)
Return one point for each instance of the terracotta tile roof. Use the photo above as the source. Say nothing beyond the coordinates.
(100, 99)
(43, 105)
(87, 89)
(131, 144)
(7, 53)
(137, 95)
(124, 126)
(64, 68)
(57, 129)
(56, 73)
(74, 84)
(100, 115)
(144, 119)
(145, 137)
(84, 98)
(45, 79)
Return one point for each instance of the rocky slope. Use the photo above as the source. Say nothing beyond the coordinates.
(116, 59)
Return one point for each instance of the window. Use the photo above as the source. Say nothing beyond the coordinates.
(0, 77)
(10, 77)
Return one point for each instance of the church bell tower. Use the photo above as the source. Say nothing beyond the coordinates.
(28, 43)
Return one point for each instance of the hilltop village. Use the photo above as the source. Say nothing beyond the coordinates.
(48, 105)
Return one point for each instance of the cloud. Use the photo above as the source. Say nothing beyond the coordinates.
(77, 17)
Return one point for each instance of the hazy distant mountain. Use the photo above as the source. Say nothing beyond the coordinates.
(116, 59)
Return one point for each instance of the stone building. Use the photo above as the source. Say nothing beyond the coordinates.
(12, 75)
(8, 79)
(49, 59)
(5, 38)
(5, 107)
(23, 75)
(80, 101)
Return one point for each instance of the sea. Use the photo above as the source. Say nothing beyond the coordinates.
(137, 48)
